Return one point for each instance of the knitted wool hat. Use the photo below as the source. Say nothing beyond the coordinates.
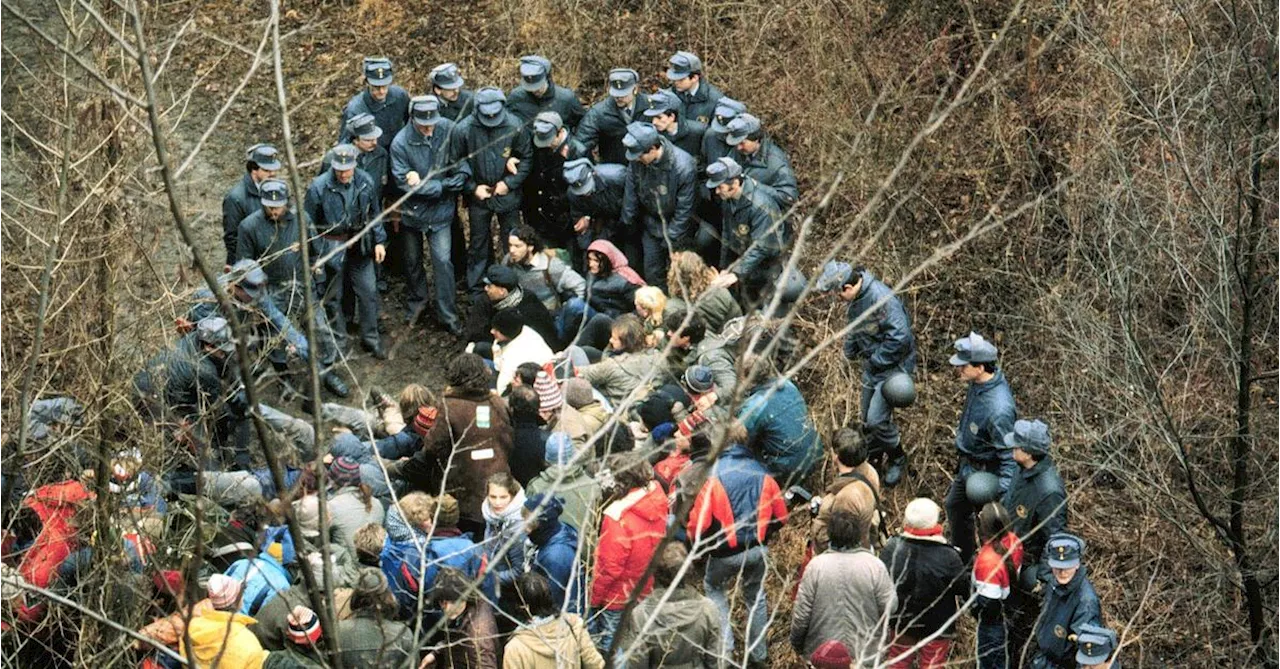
(224, 591)
(831, 655)
(551, 507)
(577, 392)
(344, 472)
(559, 449)
(448, 511)
(425, 420)
(371, 582)
(307, 512)
(698, 379)
(921, 514)
(304, 626)
(549, 396)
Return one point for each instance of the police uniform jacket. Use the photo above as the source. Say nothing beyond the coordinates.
(391, 114)
(661, 192)
(701, 104)
(263, 319)
(242, 200)
(604, 203)
(752, 234)
(456, 110)
(339, 210)
(689, 134)
(884, 339)
(1066, 608)
(989, 413)
(274, 244)
(485, 151)
(525, 106)
(377, 163)
(431, 204)
(546, 193)
(1037, 501)
(182, 380)
(604, 126)
(772, 168)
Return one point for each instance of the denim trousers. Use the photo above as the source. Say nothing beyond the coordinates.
(750, 566)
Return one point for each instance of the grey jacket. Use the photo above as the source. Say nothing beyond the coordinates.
(274, 245)
(549, 280)
(662, 194)
(884, 339)
(844, 595)
(391, 114)
(616, 377)
(338, 209)
(431, 203)
(683, 633)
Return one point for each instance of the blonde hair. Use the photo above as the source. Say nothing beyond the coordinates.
(413, 397)
(688, 276)
(418, 508)
(653, 301)
(369, 538)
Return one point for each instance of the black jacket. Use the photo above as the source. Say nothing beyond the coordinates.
(662, 193)
(1037, 501)
(605, 125)
(930, 578)
(558, 99)
(485, 151)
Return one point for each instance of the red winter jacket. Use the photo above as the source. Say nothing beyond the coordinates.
(629, 534)
(55, 504)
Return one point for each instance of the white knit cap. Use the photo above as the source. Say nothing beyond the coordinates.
(922, 513)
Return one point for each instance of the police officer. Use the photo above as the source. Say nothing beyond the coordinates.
(885, 344)
(595, 202)
(340, 204)
(262, 161)
(714, 148)
(545, 205)
(762, 160)
(537, 92)
(376, 160)
(269, 239)
(985, 423)
(1096, 646)
(388, 103)
(753, 234)
(447, 85)
(658, 201)
(263, 320)
(684, 71)
(497, 157)
(664, 113)
(1070, 604)
(422, 163)
(606, 121)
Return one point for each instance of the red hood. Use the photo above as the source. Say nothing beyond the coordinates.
(617, 259)
(57, 498)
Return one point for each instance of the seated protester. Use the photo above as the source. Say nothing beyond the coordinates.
(630, 370)
(56, 508)
(528, 438)
(1070, 604)
(547, 638)
(650, 304)
(577, 491)
(368, 542)
(236, 536)
(514, 344)
(611, 289)
(694, 345)
(306, 507)
(930, 580)
(579, 394)
(856, 489)
(387, 417)
(272, 620)
(219, 633)
(683, 631)
(502, 288)
(778, 421)
(700, 382)
(995, 569)
(302, 642)
(554, 414)
(411, 565)
(633, 524)
(657, 418)
(556, 553)
(468, 635)
(473, 435)
(372, 637)
(351, 503)
(689, 283)
(738, 510)
(348, 446)
(831, 655)
(263, 577)
(504, 533)
(685, 332)
(541, 272)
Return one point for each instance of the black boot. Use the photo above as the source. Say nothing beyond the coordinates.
(335, 384)
(897, 468)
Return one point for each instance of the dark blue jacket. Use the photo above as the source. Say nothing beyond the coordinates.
(264, 319)
(402, 444)
(612, 295)
(410, 572)
(432, 203)
(485, 152)
(391, 114)
(557, 559)
(989, 413)
(377, 163)
(342, 210)
(700, 105)
(688, 136)
(662, 192)
(180, 380)
(459, 109)
(604, 126)
(772, 168)
(1065, 609)
(884, 339)
(604, 203)
(781, 430)
(242, 200)
(557, 98)
(1037, 502)
(273, 245)
(752, 234)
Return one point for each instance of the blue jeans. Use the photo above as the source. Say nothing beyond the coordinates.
(992, 651)
(440, 240)
(751, 566)
(355, 279)
(480, 249)
(882, 434)
(602, 626)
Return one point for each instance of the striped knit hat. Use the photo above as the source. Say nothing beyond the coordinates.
(304, 626)
(344, 472)
(549, 396)
(425, 419)
(224, 591)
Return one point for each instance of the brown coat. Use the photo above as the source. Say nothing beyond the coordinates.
(847, 493)
(471, 640)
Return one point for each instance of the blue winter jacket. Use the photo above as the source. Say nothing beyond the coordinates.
(781, 430)
(556, 557)
(431, 204)
(989, 413)
(409, 571)
(391, 114)
(883, 339)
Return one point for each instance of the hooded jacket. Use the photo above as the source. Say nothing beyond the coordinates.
(555, 555)
(660, 196)
(684, 632)
(505, 532)
(614, 293)
(552, 643)
(739, 506)
(578, 490)
(224, 633)
(55, 504)
(630, 531)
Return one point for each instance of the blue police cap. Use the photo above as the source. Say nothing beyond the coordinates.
(721, 171)
(683, 64)
(377, 71)
(425, 110)
(216, 332)
(580, 175)
(364, 126)
(446, 76)
(274, 193)
(973, 349)
(1095, 644)
(1064, 550)
(663, 102)
(546, 126)
(343, 157)
(727, 109)
(248, 274)
(264, 156)
(639, 139)
(490, 106)
(622, 82)
(533, 72)
(742, 126)
(1031, 436)
(835, 274)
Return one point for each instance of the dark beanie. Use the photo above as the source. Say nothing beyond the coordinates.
(507, 321)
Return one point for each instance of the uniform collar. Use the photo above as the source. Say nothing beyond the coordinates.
(1038, 468)
(995, 381)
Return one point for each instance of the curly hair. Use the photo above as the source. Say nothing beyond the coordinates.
(688, 277)
(468, 372)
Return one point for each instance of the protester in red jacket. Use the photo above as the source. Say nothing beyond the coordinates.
(56, 506)
(632, 526)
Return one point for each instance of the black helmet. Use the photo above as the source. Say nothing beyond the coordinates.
(899, 390)
(982, 487)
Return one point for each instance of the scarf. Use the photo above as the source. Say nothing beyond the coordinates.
(510, 301)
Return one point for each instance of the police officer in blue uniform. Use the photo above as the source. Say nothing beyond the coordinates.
(605, 123)
(762, 159)
(714, 148)
(538, 92)
(658, 202)
(665, 112)
(385, 101)
(986, 421)
(595, 202)
(1097, 646)
(456, 103)
(753, 235)
(1070, 603)
(262, 161)
(684, 71)
(545, 206)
